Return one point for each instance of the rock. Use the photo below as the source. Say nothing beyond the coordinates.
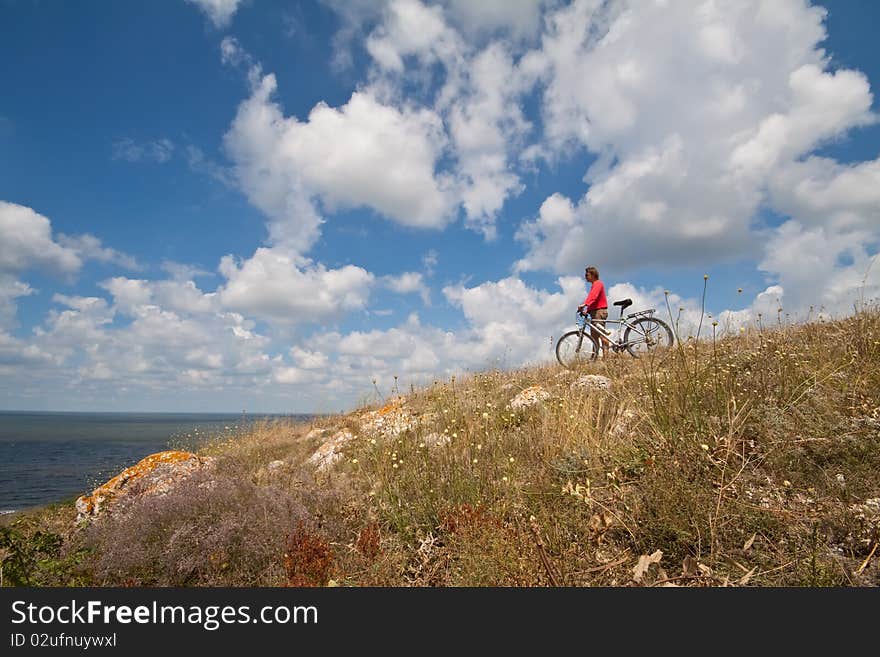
(313, 434)
(868, 517)
(389, 421)
(275, 465)
(529, 397)
(591, 382)
(331, 451)
(437, 439)
(627, 419)
(154, 475)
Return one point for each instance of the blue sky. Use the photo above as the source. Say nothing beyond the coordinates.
(215, 205)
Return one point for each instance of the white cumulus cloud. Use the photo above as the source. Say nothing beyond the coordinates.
(290, 290)
(364, 153)
(220, 12)
(408, 283)
(694, 110)
(26, 241)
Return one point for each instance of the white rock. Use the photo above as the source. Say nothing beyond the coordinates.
(626, 421)
(389, 421)
(529, 397)
(592, 382)
(331, 451)
(868, 517)
(314, 433)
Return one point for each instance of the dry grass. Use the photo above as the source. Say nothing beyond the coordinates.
(743, 460)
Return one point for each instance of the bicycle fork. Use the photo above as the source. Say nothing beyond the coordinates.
(580, 338)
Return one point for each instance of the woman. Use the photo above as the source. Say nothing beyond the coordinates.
(596, 305)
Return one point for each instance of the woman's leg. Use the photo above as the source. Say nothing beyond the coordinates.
(599, 320)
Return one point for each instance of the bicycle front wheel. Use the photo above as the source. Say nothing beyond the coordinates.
(574, 349)
(646, 336)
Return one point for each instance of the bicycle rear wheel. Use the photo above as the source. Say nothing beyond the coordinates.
(573, 349)
(647, 335)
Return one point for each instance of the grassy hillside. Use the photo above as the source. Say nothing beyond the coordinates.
(752, 460)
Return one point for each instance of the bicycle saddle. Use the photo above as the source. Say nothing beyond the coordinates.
(624, 304)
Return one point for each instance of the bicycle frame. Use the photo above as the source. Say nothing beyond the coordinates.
(617, 344)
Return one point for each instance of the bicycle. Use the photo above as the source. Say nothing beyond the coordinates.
(644, 333)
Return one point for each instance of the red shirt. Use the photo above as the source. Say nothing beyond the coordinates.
(596, 299)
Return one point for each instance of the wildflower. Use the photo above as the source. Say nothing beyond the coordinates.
(354, 460)
(485, 416)
(705, 447)
(511, 459)
(455, 435)
(394, 465)
(786, 483)
(475, 461)
(503, 478)
(705, 277)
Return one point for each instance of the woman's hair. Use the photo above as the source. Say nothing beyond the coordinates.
(593, 271)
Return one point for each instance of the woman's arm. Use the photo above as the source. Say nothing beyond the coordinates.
(594, 294)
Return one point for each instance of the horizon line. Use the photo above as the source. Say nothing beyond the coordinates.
(141, 412)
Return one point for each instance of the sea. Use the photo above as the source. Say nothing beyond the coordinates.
(54, 457)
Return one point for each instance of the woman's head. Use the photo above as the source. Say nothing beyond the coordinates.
(591, 274)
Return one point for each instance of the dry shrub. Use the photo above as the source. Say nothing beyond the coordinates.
(465, 518)
(210, 530)
(368, 541)
(308, 558)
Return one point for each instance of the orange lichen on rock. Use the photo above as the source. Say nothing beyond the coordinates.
(389, 421)
(529, 397)
(393, 405)
(157, 471)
